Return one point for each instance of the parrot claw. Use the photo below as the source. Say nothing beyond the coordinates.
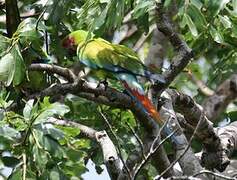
(161, 102)
(129, 94)
(126, 92)
(103, 82)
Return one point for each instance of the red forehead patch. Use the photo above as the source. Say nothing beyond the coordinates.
(69, 43)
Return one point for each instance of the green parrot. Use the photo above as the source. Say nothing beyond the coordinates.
(117, 62)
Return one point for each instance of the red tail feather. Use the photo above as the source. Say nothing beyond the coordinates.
(147, 104)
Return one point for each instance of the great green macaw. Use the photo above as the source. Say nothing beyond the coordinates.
(114, 61)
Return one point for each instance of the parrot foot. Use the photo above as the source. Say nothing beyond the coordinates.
(161, 102)
(129, 94)
(126, 92)
(105, 85)
(103, 82)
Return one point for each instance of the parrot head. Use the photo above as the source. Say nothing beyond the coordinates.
(71, 41)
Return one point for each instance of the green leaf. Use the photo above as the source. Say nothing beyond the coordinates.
(20, 69)
(74, 169)
(70, 131)
(141, 14)
(82, 144)
(49, 129)
(197, 17)
(27, 30)
(54, 175)
(216, 35)
(191, 25)
(197, 3)
(48, 143)
(16, 120)
(232, 115)
(27, 109)
(9, 133)
(100, 20)
(142, 7)
(143, 23)
(234, 4)
(16, 175)
(5, 143)
(4, 44)
(10, 161)
(12, 67)
(49, 110)
(7, 69)
(41, 157)
(234, 31)
(225, 21)
(215, 6)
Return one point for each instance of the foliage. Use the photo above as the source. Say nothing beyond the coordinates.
(57, 152)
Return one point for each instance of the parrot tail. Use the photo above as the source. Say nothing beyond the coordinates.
(147, 106)
(145, 102)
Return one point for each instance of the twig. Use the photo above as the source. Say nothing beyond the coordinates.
(201, 85)
(129, 32)
(46, 42)
(152, 150)
(24, 166)
(42, 14)
(214, 174)
(149, 155)
(138, 140)
(127, 18)
(143, 39)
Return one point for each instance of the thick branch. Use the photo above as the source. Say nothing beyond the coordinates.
(228, 136)
(193, 113)
(217, 103)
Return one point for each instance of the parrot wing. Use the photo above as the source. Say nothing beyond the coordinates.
(100, 54)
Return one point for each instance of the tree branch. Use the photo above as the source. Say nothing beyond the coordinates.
(184, 53)
(118, 145)
(111, 159)
(193, 114)
(183, 153)
(202, 87)
(108, 96)
(12, 17)
(217, 103)
(50, 68)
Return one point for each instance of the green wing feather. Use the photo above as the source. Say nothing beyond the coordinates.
(100, 54)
